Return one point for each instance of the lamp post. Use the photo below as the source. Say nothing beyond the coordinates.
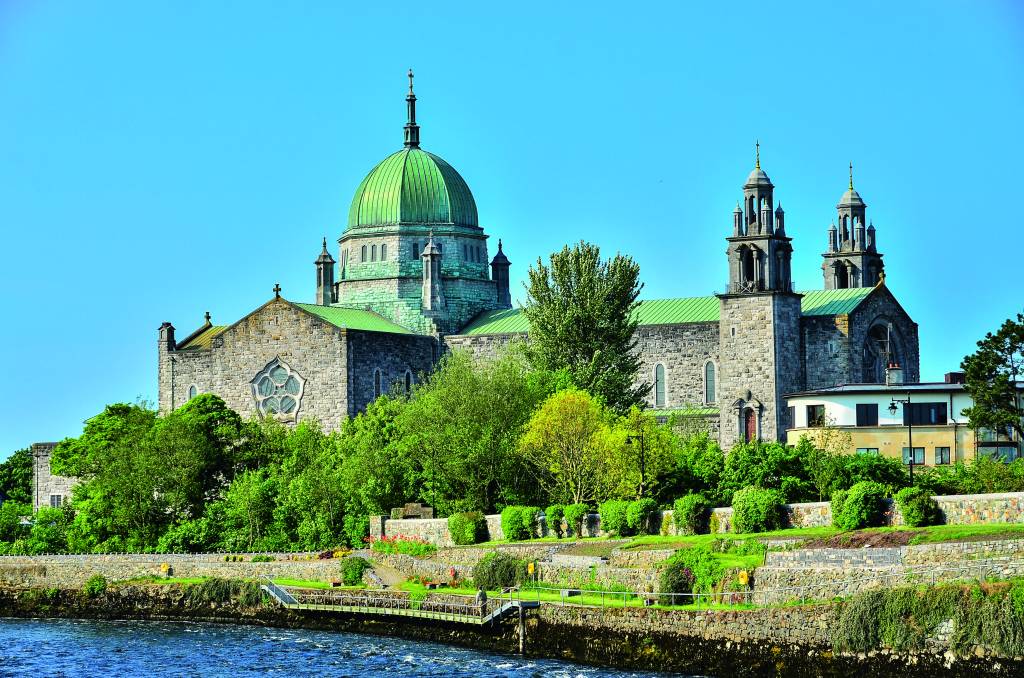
(639, 437)
(905, 402)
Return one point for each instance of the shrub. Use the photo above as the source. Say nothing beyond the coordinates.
(918, 507)
(352, 569)
(575, 515)
(693, 569)
(95, 586)
(528, 515)
(755, 509)
(467, 528)
(863, 505)
(675, 577)
(512, 524)
(690, 514)
(613, 517)
(499, 570)
(553, 517)
(639, 515)
(263, 559)
(409, 546)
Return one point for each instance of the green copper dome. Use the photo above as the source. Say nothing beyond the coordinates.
(412, 187)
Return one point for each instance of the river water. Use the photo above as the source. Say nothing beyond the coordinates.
(131, 648)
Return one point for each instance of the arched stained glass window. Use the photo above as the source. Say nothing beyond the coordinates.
(709, 383)
(192, 391)
(363, 254)
(659, 385)
(384, 252)
(373, 253)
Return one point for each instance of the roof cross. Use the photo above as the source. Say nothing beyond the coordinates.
(757, 154)
(277, 290)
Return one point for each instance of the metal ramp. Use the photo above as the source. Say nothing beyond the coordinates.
(381, 605)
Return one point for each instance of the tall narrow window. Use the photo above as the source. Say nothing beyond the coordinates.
(362, 256)
(415, 250)
(465, 252)
(659, 385)
(408, 381)
(192, 391)
(709, 383)
(376, 383)
(373, 253)
(383, 252)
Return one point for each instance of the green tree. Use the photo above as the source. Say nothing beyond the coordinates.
(462, 427)
(644, 456)
(581, 313)
(991, 374)
(11, 513)
(16, 477)
(567, 441)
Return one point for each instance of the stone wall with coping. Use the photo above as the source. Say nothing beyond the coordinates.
(976, 509)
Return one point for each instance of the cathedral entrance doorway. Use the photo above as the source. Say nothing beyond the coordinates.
(749, 425)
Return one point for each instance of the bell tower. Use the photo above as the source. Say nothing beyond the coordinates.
(851, 258)
(759, 320)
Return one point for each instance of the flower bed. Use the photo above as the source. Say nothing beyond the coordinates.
(409, 546)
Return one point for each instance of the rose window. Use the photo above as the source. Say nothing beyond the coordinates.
(278, 390)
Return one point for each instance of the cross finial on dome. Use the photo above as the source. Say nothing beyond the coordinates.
(412, 130)
(757, 154)
(207, 317)
(851, 175)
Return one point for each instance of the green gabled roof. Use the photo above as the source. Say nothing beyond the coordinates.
(412, 186)
(833, 302)
(354, 319)
(679, 311)
(202, 339)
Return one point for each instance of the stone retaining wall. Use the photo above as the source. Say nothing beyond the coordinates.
(72, 571)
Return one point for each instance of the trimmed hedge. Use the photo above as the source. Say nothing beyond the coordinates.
(756, 509)
(519, 522)
(553, 518)
(690, 514)
(575, 516)
(613, 517)
(639, 515)
(529, 515)
(499, 570)
(467, 528)
(918, 507)
(863, 505)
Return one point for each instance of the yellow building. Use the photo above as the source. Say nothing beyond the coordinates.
(893, 419)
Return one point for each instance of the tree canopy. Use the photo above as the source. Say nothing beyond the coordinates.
(581, 312)
(16, 477)
(991, 375)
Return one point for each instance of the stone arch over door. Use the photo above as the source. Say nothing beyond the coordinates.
(748, 412)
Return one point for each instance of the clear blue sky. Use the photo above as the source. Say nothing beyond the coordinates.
(161, 159)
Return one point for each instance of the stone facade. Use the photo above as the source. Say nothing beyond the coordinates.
(48, 489)
(683, 350)
(338, 366)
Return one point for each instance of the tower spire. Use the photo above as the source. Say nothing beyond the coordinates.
(757, 154)
(851, 175)
(412, 130)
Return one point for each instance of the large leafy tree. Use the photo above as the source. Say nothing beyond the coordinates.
(16, 477)
(581, 313)
(569, 443)
(991, 375)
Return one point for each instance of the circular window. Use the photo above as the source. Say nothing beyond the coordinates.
(278, 390)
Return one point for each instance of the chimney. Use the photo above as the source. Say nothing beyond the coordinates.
(893, 375)
(954, 377)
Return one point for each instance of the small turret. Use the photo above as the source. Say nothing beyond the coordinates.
(833, 234)
(433, 292)
(871, 237)
(324, 277)
(737, 221)
(499, 274)
(780, 220)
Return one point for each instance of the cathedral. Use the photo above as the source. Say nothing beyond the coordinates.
(414, 278)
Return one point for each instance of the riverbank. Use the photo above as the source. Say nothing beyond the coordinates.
(787, 641)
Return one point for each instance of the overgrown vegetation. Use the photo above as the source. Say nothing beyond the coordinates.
(499, 570)
(220, 591)
(553, 516)
(352, 569)
(990, 615)
(96, 585)
(690, 514)
(407, 546)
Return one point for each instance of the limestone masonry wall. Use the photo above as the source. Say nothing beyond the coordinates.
(975, 509)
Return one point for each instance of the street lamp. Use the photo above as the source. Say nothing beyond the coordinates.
(905, 402)
(639, 437)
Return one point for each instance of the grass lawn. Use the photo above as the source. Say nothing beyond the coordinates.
(311, 584)
(941, 533)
